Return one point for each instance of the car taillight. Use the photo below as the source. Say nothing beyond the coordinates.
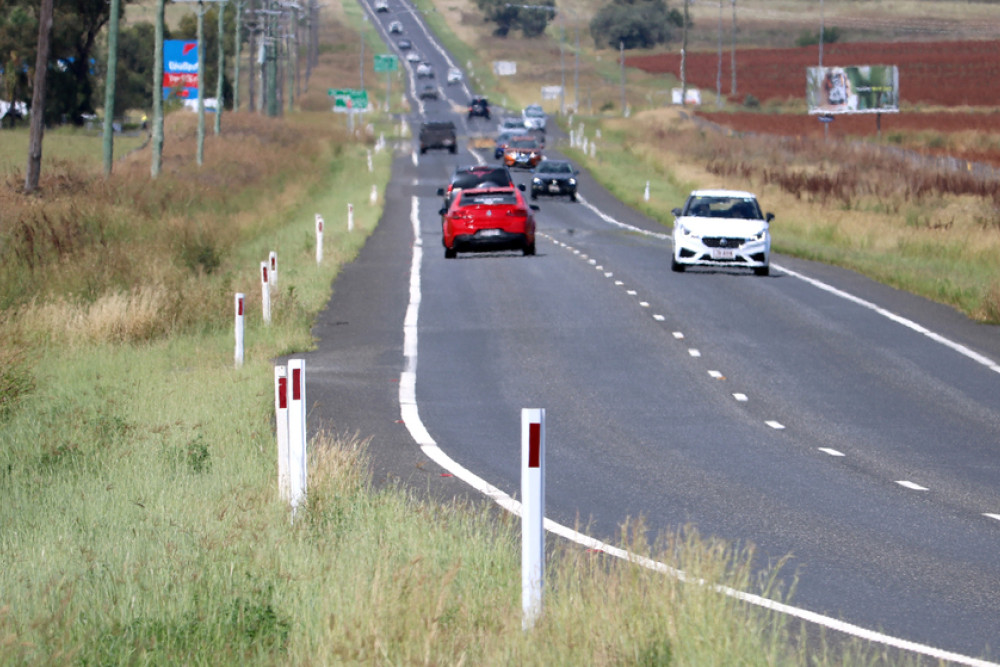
(517, 213)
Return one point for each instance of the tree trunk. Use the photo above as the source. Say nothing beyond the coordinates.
(38, 99)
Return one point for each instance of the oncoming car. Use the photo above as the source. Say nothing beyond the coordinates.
(554, 177)
(488, 219)
(524, 152)
(722, 228)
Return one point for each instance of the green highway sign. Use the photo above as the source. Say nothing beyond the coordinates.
(386, 62)
(348, 99)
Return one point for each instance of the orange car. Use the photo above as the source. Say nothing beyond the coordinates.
(524, 152)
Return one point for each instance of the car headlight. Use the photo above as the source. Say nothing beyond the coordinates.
(536, 181)
(572, 181)
(759, 236)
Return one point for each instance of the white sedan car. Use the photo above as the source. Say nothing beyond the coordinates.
(534, 117)
(722, 228)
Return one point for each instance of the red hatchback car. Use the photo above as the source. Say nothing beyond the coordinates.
(483, 219)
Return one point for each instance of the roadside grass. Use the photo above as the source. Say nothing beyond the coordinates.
(77, 146)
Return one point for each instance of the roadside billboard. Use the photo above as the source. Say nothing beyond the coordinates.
(180, 68)
(861, 89)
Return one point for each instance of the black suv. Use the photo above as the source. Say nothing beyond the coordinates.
(477, 176)
(479, 106)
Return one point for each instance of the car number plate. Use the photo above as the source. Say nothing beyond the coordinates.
(489, 232)
(553, 188)
(723, 253)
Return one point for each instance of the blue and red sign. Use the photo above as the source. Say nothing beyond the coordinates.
(180, 69)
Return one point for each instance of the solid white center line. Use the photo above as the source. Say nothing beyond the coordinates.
(911, 485)
(831, 452)
(777, 426)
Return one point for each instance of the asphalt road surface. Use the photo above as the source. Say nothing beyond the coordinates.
(814, 414)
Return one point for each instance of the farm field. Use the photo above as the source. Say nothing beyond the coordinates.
(946, 104)
(949, 74)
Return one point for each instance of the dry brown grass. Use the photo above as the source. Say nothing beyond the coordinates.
(121, 259)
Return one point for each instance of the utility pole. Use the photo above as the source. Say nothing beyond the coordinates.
(200, 152)
(732, 51)
(34, 170)
(718, 71)
(621, 59)
(157, 148)
(222, 69)
(684, 47)
(237, 38)
(109, 87)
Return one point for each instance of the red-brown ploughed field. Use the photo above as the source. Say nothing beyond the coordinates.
(936, 73)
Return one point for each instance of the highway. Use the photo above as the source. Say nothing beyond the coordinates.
(814, 414)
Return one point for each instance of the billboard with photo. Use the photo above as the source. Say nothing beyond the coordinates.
(861, 89)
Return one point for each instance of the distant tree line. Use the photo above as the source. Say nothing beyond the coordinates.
(636, 24)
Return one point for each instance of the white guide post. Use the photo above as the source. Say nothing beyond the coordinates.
(239, 329)
(319, 239)
(297, 430)
(645, 195)
(371, 167)
(532, 514)
(281, 430)
(350, 217)
(272, 261)
(265, 292)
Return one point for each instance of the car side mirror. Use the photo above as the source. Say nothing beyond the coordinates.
(769, 217)
(440, 192)
(443, 211)
(676, 212)
(534, 207)
(520, 186)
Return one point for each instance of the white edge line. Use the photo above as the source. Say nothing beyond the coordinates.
(411, 418)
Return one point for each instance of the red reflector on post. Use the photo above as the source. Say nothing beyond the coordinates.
(283, 393)
(263, 273)
(296, 384)
(534, 445)
(239, 307)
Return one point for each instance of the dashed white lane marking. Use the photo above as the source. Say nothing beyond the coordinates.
(608, 274)
(909, 324)
(644, 304)
(631, 292)
(618, 283)
(993, 516)
(716, 374)
(777, 426)
(410, 415)
(911, 485)
(678, 335)
(694, 352)
(659, 318)
(831, 452)
(742, 398)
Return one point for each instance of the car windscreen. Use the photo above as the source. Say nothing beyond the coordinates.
(723, 207)
(489, 199)
(493, 177)
(555, 168)
(526, 144)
